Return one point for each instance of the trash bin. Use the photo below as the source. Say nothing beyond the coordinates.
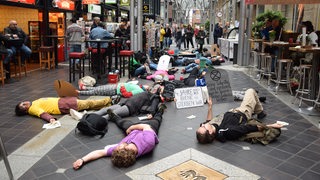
(235, 53)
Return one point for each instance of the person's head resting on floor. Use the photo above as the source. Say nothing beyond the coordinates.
(206, 133)
(123, 155)
(22, 108)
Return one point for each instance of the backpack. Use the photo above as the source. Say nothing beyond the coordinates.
(92, 125)
(168, 90)
(264, 137)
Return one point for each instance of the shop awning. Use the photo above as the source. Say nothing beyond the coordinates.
(282, 1)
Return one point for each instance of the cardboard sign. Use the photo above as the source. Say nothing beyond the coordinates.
(65, 89)
(163, 63)
(188, 97)
(219, 86)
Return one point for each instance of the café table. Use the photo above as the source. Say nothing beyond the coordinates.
(99, 41)
(257, 41)
(54, 39)
(315, 78)
(280, 44)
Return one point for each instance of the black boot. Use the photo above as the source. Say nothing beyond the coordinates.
(262, 99)
(261, 115)
(113, 116)
(161, 108)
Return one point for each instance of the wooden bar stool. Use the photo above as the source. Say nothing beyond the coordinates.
(18, 66)
(46, 56)
(2, 75)
(72, 64)
(123, 54)
(286, 79)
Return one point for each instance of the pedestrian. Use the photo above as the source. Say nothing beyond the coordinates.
(189, 36)
(217, 32)
(75, 36)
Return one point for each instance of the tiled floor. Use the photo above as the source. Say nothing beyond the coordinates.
(296, 154)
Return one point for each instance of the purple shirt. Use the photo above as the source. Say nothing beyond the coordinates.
(144, 140)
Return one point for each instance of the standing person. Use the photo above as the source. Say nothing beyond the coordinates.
(196, 31)
(201, 35)
(167, 36)
(96, 21)
(226, 29)
(178, 37)
(183, 36)
(141, 139)
(189, 36)
(217, 32)
(233, 126)
(14, 32)
(75, 36)
(45, 107)
(162, 33)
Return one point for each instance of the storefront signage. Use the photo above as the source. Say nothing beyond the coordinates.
(124, 2)
(146, 8)
(90, 1)
(94, 9)
(63, 4)
(24, 1)
(111, 1)
(282, 2)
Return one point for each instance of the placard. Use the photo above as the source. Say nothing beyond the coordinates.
(219, 86)
(163, 63)
(188, 97)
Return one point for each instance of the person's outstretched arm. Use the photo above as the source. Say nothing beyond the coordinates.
(209, 115)
(89, 157)
(141, 127)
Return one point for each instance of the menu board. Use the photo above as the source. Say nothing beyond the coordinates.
(63, 4)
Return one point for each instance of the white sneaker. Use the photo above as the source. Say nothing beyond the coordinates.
(76, 115)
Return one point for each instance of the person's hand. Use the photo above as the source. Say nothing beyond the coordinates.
(149, 116)
(52, 121)
(275, 125)
(128, 131)
(78, 163)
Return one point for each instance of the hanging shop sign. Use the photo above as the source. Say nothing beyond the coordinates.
(124, 2)
(90, 1)
(24, 1)
(146, 8)
(111, 1)
(63, 4)
(94, 9)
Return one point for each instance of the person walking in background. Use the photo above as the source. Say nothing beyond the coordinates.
(183, 36)
(178, 37)
(75, 36)
(167, 36)
(217, 32)
(189, 36)
(201, 35)
(161, 39)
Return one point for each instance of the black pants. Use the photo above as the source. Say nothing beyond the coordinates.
(155, 122)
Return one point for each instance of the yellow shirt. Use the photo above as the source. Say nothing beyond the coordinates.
(48, 105)
(162, 32)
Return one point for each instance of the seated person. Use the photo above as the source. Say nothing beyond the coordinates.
(45, 107)
(124, 89)
(233, 125)
(145, 103)
(141, 139)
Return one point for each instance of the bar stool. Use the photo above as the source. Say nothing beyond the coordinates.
(18, 66)
(266, 68)
(304, 80)
(72, 64)
(123, 55)
(286, 80)
(46, 56)
(317, 101)
(2, 75)
(95, 65)
(260, 68)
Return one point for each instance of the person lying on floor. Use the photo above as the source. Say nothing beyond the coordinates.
(142, 103)
(233, 125)
(195, 74)
(124, 89)
(46, 107)
(141, 139)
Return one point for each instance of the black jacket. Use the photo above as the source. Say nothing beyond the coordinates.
(231, 128)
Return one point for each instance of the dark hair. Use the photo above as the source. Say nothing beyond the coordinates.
(19, 111)
(205, 138)
(100, 24)
(308, 25)
(123, 157)
(73, 20)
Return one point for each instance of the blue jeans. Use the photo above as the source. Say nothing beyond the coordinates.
(166, 43)
(142, 70)
(190, 67)
(75, 48)
(26, 52)
(8, 56)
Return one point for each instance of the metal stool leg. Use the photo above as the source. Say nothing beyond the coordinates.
(5, 159)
